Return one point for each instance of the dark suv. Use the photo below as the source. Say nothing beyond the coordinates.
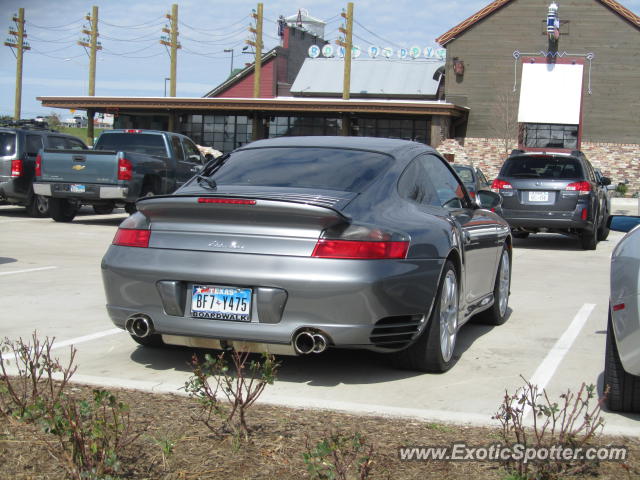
(19, 146)
(554, 192)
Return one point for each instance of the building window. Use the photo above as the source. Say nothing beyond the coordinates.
(303, 126)
(222, 132)
(545, 135)
(403, 128)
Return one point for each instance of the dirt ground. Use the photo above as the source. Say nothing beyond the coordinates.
(275, 447)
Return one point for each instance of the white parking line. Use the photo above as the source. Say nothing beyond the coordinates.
(39, 269)
(551, 362)
(86, 338)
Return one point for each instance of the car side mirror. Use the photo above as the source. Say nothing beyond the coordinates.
(195, 159)
(487, 199)
(605, 181)
(622, 223)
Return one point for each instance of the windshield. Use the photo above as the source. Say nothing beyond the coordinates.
(543, 167)
(150, 144)
(465, 173)
(302, 167)
(7, 144)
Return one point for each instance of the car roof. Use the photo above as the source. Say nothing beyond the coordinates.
(383, 145)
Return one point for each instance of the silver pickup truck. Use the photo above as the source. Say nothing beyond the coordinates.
(123, 166)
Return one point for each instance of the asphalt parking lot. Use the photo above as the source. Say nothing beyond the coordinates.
(50, 282)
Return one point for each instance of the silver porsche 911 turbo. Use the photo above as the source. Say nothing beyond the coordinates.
(299, 244)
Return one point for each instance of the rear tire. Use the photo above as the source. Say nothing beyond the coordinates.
(38, 206)
(152, 341)
(62, 210)
(433, 351)
(603, 231)
(497, 314)
(103, 209)
(589, 239)
(624, 388)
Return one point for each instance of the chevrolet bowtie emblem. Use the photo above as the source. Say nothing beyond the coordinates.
(79, 167)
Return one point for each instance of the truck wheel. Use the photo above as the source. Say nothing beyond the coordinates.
(62, 210)
(38, 206)
(103, 209)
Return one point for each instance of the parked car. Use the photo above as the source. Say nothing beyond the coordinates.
(123, 165)
(19, 146)
(269, 249)
(554, 192)
(622, 357)
(472, 177)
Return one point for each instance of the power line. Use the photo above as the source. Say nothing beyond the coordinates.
(56, 27)
(208, 30)
(129, 53)
(378, 36)
(141, 25)
(150, 36)
(54, 57)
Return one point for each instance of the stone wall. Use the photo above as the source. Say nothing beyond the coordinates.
(620, 162)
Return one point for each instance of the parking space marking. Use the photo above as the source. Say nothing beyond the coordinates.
(86, 338)
(551, 362)
(27, 270)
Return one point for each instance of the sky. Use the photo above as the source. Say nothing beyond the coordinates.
(134, 63)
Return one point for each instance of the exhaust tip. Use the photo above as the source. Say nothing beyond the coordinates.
(310, 341)
(304, 343)
(139, 326)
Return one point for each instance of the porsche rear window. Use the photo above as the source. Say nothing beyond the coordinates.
(562, 168)
(322, 168)
(7, 144)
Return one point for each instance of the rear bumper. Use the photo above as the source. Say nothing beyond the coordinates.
(547, 219)
(342, 298)
(92, 191)
(13, 192)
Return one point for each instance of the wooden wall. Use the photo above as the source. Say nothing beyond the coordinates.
(610, 114)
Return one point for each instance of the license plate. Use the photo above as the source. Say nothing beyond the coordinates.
(221, 303)
(77, 188)
(538, 196)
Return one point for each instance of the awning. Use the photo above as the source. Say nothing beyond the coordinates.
(550, 93)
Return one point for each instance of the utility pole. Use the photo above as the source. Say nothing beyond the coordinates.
(17, 41)
(347, 44)
(173, 44)
(256, 132)
(257, 45)
(91, 42)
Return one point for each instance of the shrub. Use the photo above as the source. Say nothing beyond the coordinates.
(241, 388)
(572, 422)
(339, 457)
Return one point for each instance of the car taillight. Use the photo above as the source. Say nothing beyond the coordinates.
(500, 185)
(350, 249)
(132, 131)
(618, 307)
(38, 166)
(232, 201)
(16, 168)
(128, 237)
(581, 187)
(125, 169)
(472, 194)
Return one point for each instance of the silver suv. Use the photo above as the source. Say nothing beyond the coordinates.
(554, 192)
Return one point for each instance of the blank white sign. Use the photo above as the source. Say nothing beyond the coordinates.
(550, 93)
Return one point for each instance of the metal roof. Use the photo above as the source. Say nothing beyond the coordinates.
(369, 77)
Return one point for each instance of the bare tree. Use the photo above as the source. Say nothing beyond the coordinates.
(505, 120)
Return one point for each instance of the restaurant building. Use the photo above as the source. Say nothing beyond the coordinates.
(468, 106)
